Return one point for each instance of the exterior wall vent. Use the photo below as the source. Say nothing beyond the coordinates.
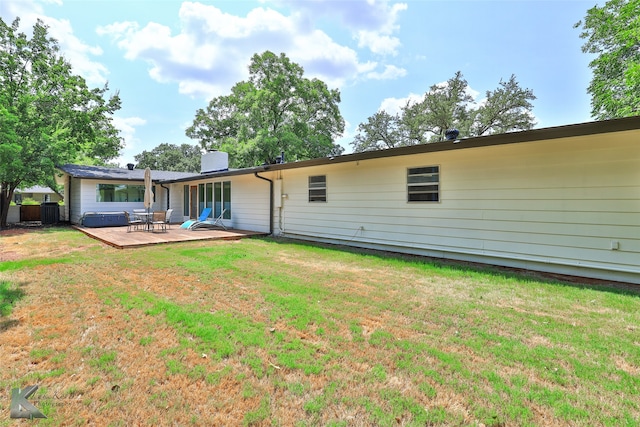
(451, 134)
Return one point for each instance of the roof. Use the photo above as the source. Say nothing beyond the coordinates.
(121, 174)
(35, 189)
(542, 134)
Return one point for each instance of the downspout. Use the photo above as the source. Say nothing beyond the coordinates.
(68, 199)
(166, 188)
(270, 201)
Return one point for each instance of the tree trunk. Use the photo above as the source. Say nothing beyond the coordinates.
(6, 193)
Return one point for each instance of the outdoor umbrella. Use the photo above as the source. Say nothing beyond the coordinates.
(148, 192)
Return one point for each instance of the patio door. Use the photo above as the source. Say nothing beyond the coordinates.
(193, 202)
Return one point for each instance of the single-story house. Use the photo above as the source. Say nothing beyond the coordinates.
(37, 193)
(562, 199)
(107, 189)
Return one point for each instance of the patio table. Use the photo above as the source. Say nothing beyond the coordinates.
(146, 218)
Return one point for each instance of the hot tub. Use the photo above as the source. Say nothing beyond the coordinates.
(104, 219)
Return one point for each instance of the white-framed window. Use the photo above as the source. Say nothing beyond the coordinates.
(121, 193)
(318, 188)
(217, 196)
(222, 199)
(423, 184)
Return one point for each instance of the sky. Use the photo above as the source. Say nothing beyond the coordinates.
(169, 58)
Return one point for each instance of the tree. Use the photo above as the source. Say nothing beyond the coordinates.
(48, 116)
(381, 131)
(506, 109)
(170, 157)
(612, 32)
(445, 106)
(276, 110)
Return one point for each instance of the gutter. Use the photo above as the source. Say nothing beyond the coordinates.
(166, 188)
(270, 201)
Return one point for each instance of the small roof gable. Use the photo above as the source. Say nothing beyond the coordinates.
(35, 189)
(107, 173)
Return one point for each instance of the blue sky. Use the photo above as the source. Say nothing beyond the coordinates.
(167, 58)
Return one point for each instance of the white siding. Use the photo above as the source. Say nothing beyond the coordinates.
(75, 197)
(176, 202)
(13, 216)
(249, 201)
(550, 204)
(83, 199)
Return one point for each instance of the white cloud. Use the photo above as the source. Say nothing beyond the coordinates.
(212, 50)
(78, 53)
(127, 127)
(394, 105)
(371, 22)
(390, 72)
(380, 40)
(378, 43)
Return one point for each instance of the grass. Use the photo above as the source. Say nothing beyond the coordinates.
(273, 332)
(9, 295)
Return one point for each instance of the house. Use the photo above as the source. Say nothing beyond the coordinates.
(36, 193)
(563, 199)
(107, 189)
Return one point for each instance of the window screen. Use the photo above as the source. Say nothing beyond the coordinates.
(318, 188)
(423, 184)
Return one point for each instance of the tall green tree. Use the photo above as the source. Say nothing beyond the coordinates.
(612, 32)
(379, 132)
(446, 106)
(171, 157)
(277, 109)
(48, 115)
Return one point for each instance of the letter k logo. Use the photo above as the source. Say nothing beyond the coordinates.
(20, 407)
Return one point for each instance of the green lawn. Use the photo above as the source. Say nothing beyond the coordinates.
(274, 332)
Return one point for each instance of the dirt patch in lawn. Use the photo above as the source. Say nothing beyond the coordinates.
(101, 358)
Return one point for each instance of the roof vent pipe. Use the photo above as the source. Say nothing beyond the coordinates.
(130, 166)
(451, 134)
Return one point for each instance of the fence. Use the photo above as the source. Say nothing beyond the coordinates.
(47, 213)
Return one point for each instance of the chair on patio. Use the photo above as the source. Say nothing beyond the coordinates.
(167, 217)
(159, 220)
(203, 216)
(138, 211)
(208, 223)
(132, 223)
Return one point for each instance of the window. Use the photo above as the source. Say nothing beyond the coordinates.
(423, 184)
(185, 201)
(200, 198)
(120, 193)
(226, 199)
(209, 195)
(222, 199)
(318, 188)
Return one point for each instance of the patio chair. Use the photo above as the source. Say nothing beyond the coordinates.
(138, 211)
(159, 221)
(208, 223)
(167, 217)
(203, 216)
(132, 223)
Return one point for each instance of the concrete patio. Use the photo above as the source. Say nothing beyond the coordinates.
(119, 237)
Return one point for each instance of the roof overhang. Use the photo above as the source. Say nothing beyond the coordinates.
(542, 134)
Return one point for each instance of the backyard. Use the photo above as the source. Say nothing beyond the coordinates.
(273, 332)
